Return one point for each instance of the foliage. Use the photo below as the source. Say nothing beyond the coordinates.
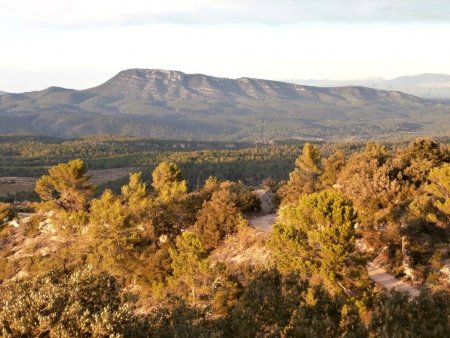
(317, 235)
(189, 265)
(66, 186)
(395, 315)
(6, 213)
(309, 160)
(439, 188)
(332, 166)
(167, 245)
(83, 304)
(217, 219)
(418, 158)
(273, 305)
(368, 179)
(168, 183)
(304, 179)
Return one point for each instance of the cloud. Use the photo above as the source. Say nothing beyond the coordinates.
(86, 13)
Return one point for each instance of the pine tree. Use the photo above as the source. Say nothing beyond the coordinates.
(439, 188)
(168, 182)
(217, 219)
(189, 265)
(66, 186)
(309, 160)
(316, 235)
(304, 179)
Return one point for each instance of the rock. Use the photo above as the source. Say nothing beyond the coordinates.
(267, 200)
(14, 223)
(407, 260)
(163, 239)
(445, 270)
(362, 245)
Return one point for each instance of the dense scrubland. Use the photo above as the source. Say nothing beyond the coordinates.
(167, 257)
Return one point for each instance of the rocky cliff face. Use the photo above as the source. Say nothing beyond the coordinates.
(168, 84)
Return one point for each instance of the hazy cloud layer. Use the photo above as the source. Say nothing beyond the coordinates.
(80, 43)
(137, 12)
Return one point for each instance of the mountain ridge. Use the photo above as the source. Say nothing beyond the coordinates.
(426, 85)
(173, 104)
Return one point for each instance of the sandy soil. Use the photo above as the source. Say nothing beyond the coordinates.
(263, 223)
(388, 281)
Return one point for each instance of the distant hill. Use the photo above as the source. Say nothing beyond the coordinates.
(175, 105)
(434, 86)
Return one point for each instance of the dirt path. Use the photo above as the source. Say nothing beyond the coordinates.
(388, 281)
(263, 223)
(377, 274)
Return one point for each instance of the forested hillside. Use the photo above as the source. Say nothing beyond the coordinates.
(163, 258)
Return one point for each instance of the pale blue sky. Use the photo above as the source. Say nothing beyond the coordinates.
(82, 43)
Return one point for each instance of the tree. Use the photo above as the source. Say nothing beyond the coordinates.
(66, 192)
(439, 188)
(135, 194)
(111, 235)
(276, 305)
(332, 166)
(317, 235)
(369, 179)
(217, 219)
(189, 265)
(137, 202)
(304, 179)
(416, 160)
(168, 182)
(263, 309)
(309, 160)
(321, 314)
(66, 187)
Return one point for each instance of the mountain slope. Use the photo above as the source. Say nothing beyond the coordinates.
(172, 104)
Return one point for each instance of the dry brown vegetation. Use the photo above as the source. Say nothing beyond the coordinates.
(247, 247)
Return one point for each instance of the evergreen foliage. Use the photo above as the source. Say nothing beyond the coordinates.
(317, 235)
(172, 262)
(66, 186)
(217, 219)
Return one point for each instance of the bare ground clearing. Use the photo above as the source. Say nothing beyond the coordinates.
(13, 184)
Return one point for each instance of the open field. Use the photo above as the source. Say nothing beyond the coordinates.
(107, 175)
(13, 184)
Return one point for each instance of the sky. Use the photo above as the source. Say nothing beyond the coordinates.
(82, 43)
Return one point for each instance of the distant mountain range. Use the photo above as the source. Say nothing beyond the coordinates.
(434, 86)
(174, 105)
